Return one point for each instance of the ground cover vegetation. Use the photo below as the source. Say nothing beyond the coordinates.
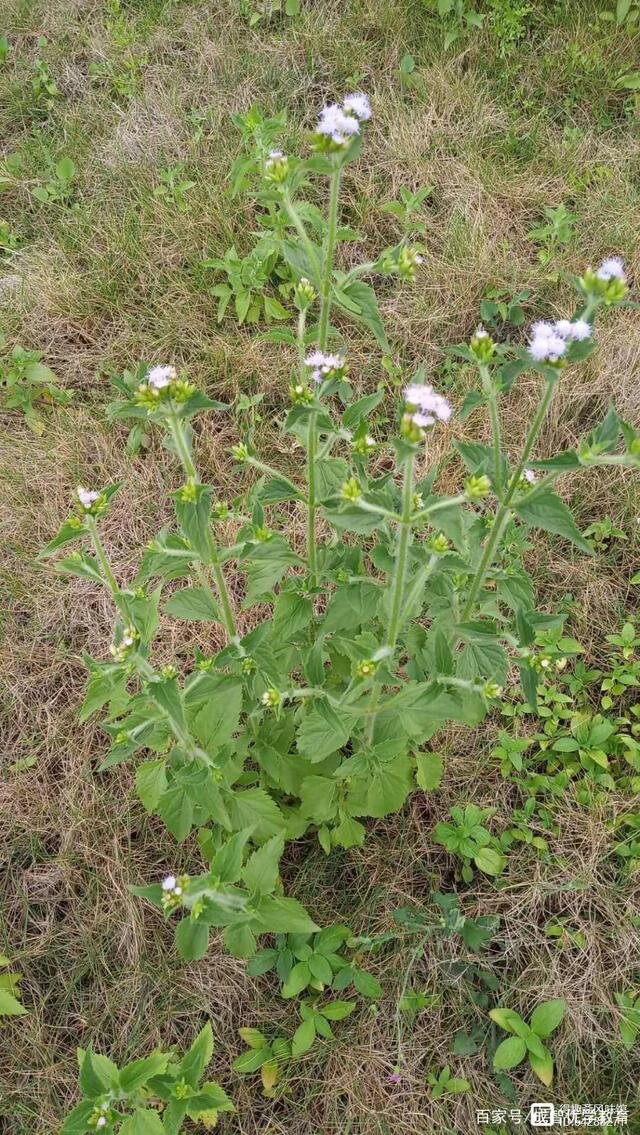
(318, 386)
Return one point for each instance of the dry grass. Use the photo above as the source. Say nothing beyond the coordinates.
(114, 279)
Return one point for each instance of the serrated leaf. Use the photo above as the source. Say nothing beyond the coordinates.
(429, 770)
(194, 603)
(261, 870)
(192, 938)
(545, 510)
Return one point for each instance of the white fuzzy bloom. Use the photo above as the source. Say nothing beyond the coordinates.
(358, 104)
(611, 268)
(273, 154)
(86, 496)
(529, 476)
(101, 1121)
(336, 124)
(578, 329)
(169, 883)
(322, 364)
(545, 344)
(430, 406)
(159, 377)
(481, 332)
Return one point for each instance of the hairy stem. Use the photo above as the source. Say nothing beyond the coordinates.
(327, 273)
(503, 514)
(492, 400)
(221, 591)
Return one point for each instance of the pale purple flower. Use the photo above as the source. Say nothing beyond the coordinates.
(545, 344)
(358, 104)
(87, 497)
(322, 364)
(336, 124)
(611, 269)
(529, 476)
(160, 376)
(394, 1078)
(576, 329)
(429, 405)
(169, 883)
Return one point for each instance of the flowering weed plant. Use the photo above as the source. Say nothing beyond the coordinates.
(403, 609)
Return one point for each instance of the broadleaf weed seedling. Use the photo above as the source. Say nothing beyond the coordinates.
(26, 384)
(402, 610)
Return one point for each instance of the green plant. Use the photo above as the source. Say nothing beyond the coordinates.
(625, 12)
(9, 240)
(304, 961)
(174, 187)
(602, 533)
(509, 23)
(10, 997)
(270, 1057)
(256, 11)
(43, 85)
(444, 1084)
(150, 1096)
(629, 1019)
(398, 614)
(527, 1039)
(500, 306)
(59, 188)
(248, 277)
(458, 15)
(471, 841)
(556, 230)
(25, 381)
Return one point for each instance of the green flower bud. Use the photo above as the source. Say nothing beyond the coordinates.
(271, 698)
(188, 492)
(263, 534)
(477, 487)
(439, 543)
(304, 294)
(492, 690)
(408, 260)
(365, 668)
(240, 452)
(247, 666)
(220, 510)
(300, 394)
(276, 167)
(482, 345)
(351, 490)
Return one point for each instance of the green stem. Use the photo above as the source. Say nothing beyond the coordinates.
(400, 570)
(492, 400)
(327, 275)
(312, 446)
(221, 590)
(302, 323)
(296, 221)
(397, 586)
(503, 514)
(103, 559)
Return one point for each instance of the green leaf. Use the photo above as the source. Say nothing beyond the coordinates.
(338, 1010)
(151, 783)
(510, 1053)
(320, 968)
(251, 1060)
(9, 1005)
(284, 916)
(197, 1058)
(210, 1099)
(292, 613)
(226, 864)
(389, 785)
(303, 1037)
(77, 1121)
(490, 861)
(195, 603)
(266, 567)
(366, 984)
(143, 1122)
(546, 1017)
(542, 1066)
(297, 980)
(136, 1074)
(429, 770)
(192, 938)
(545, 510)
(176, 809)
(215, 722)
(323, 732)
(359, 300)
(260, 872)
(510, 1021)
(255, 809)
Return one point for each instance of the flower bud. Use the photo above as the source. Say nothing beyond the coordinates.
(482, 345)
(477, 487)
(304, 294)
(240, 452)
(351, 490)
(366, 668)
(276, 167)
(408, 260)
(439, 543)
(271, 698)
(300, 394)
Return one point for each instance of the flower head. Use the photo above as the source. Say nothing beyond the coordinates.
(276, 167)
(573, 329)
(336, 124)
(429, 406)
(87, 497)
(169, 883)
(358, 104)
(325, 366)
(612, 269)
(529, 476)
(545, 343)
(161, 376)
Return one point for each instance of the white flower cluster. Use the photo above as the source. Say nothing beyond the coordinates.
(161, 376)
(87, 497)
(429, 406)
(170, 886)
(548, 342)
(323, 365)
(339, 123)
(612, 269)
